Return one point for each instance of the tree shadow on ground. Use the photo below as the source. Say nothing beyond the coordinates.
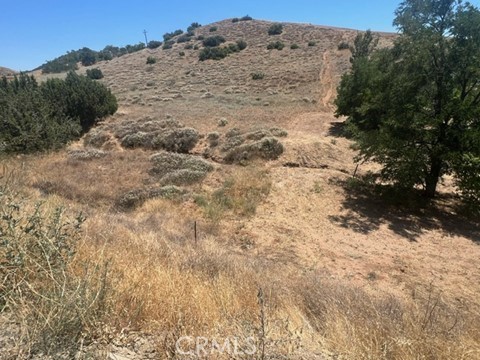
(408, 214)
(337, 129)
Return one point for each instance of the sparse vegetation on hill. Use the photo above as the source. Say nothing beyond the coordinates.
(87, 57)
(243, 18)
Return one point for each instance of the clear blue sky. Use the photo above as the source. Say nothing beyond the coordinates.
(33, 31)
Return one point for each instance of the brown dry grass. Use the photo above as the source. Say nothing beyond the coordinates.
(345, 274)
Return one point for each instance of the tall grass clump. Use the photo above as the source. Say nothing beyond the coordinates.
(55, 300)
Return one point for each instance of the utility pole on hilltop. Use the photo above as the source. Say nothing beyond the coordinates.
(145, 33)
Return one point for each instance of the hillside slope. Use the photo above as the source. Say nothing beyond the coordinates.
(305, 219)
(6, 71)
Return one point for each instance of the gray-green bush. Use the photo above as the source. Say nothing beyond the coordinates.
(55, 302)
(275, 29)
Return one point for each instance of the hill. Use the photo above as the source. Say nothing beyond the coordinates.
(222, 192)
(6, 71)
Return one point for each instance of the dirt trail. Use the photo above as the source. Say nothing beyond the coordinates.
(327, 83)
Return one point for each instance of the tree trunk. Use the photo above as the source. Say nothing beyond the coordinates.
(431, 180)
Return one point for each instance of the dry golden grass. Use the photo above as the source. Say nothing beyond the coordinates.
(161, 281)
(96, 182)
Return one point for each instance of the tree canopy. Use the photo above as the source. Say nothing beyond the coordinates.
(415, 107)
(37, 117)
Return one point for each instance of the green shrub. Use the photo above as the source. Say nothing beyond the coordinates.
(136, 140)
(242, 44)
(257, 75)
(154, 44)
(168, 44)
(294, 46)
(29, 121)
(277, 132)
(183, 39)
(235, 20)
(151, 60)
(213, 41)
(217, 53)
(213, 29)
(222, 122)
(213, 138)
(246, 18)
(214, 53)
(78, 97)
(169, 36)
(257, 134)
(343, 46)
(275, 29)
(193, 26)
(87, 56)
(233, 48)
(268, 148)
(188, 46)
(181, 53)
(200, 37)
(129, 49)
(96, 138)
(312, 43)
(94, 74)
(276, 45)
(165, 163)
(159, 135)
(177, 140)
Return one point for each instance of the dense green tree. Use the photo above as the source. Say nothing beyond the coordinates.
(415, 107)
(28, 123)
(37, 117)
(193, 26)
(87, 56)
(154, 44)
(94, 74)
(87, 100)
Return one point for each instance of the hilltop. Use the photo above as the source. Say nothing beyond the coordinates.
(258, 213)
